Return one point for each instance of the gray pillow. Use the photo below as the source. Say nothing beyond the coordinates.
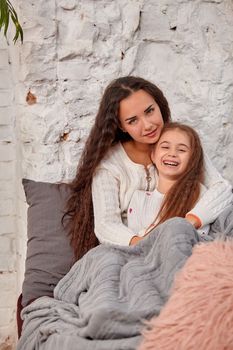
(49, 255)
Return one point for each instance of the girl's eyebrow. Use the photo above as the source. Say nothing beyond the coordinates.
(145, 111)
(184, 145)
(179, 144)
(164, 142)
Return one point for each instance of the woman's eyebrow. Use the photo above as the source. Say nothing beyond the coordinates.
(145, 111)
(148, 108)
(130, 118)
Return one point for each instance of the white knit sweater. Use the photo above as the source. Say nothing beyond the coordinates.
(116, 179)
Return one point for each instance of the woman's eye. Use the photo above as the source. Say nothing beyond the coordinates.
(132, 121)
(150, 111)
(164, 147)
(182, 150)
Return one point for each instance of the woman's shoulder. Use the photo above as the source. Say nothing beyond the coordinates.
(118, 162)
(116, 156)
(113, 162)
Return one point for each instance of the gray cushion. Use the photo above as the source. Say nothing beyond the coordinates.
(49, 255)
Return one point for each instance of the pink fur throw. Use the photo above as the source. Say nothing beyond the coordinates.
(199, 313)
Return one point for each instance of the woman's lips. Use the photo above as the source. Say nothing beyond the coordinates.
(151, 134)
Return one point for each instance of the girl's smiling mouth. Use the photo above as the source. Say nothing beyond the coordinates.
(170, 163)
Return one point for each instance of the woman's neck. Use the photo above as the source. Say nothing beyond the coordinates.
(138, 152)
(164, 184)
(141, 147)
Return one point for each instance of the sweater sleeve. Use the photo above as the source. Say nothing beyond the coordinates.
(217, 197)
(109, 227)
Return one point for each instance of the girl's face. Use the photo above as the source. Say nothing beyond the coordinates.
(140, 116)
(172, 153)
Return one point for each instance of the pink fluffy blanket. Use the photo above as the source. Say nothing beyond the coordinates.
(199, 313)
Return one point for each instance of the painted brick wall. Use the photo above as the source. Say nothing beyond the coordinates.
(8, 266)
(72, 49)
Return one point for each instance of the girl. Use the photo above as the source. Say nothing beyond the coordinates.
(178, 157)
(116, 162)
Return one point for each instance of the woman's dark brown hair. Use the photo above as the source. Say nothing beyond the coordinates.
(104, 134)
(183, 195)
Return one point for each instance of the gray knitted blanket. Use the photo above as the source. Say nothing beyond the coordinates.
(103, 301)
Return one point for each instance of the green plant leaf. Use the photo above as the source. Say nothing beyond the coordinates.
(4, 13)
(6, 23)
(7, 11)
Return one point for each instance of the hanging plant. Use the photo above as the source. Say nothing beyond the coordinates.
(8, 12)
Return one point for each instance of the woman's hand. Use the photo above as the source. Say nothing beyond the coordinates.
(135, 240)
(194, 220)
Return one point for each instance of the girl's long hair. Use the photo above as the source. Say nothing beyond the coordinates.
(183, 195)
(104, 134)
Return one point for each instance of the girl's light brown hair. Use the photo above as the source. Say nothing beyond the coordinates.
(183, 195)
(104, 134)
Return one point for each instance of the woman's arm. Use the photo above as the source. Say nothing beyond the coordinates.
(109, 227)
(217, 197)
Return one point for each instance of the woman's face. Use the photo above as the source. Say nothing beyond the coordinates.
(172, 153)
(141, 117)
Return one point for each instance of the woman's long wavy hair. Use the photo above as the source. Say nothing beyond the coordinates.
(183, 195)
(104, 134)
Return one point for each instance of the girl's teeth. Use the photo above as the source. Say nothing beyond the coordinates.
(171, 163)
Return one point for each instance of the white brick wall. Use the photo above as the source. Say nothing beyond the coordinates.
(72, 49)
(8, 276)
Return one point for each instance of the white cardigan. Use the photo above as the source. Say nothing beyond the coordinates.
(116, 179)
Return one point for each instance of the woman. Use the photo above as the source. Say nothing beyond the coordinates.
(116, 161)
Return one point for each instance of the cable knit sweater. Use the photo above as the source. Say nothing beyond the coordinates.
(116, 179)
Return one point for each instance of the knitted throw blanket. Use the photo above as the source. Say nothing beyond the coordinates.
(103, 301)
